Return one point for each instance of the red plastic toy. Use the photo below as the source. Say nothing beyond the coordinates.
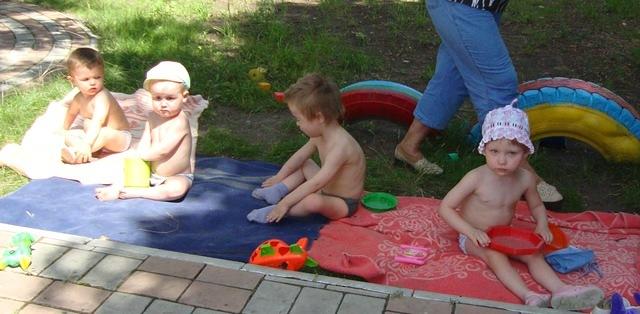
(514, 241)
(278, 96)
(560, 239)
(276, 253)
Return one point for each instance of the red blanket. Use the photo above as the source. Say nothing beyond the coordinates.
(365, 245)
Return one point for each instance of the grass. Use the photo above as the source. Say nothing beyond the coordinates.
(220, 42)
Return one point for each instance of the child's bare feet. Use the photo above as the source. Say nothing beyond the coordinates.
(109, 193)
(68, 155)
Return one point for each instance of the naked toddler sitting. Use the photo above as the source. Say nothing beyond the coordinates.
(166, 142)
(302, 187)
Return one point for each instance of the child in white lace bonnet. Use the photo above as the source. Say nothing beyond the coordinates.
(486, 197)
(506, 123)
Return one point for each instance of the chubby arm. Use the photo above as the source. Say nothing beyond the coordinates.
(456, 196)
(70, 116)
(171, 139)
(98, 118)
(538, 211)
(68, 98)
(332, 163)
(293, 163)
(145, 140)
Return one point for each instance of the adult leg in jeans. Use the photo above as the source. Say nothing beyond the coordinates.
(446, 85)
(472, 61)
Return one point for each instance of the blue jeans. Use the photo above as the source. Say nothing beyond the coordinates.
(472, 61)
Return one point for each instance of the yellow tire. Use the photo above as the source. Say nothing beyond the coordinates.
(587, 125)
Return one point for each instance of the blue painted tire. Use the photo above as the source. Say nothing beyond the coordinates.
(384, 85)
(605, 121)
(600, 118)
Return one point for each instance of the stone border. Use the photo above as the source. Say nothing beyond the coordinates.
(271, 274)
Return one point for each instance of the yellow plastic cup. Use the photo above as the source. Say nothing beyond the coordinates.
(136, 173)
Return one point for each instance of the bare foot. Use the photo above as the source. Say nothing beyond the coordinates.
(109, 193)
(68, 155)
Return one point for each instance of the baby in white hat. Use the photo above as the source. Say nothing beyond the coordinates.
(487, 196)
(166, 142)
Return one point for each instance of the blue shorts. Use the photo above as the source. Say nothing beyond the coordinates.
(472, 61)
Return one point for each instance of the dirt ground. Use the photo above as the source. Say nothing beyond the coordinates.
(578, 52)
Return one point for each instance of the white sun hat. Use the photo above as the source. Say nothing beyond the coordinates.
(168, 71)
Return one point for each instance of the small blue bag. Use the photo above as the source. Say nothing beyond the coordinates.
(569, 259)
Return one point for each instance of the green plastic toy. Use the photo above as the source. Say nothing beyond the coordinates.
(19, 254)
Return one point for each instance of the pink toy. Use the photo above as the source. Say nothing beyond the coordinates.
(412, 255)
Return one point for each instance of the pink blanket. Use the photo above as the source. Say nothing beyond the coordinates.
(366, 243)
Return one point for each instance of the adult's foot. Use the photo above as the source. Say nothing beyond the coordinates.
(420, 164)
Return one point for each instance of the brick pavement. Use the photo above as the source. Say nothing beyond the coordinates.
(72, 274)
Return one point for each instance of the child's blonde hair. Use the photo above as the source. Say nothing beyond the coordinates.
(84, 56)
(313, 94)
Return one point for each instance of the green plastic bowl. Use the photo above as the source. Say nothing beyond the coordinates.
(379, 201)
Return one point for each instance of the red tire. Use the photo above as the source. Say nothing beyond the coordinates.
(381, 104)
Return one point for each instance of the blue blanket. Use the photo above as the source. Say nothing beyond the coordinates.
(209, 221)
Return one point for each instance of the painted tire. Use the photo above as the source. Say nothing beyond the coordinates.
(381, 104)
(562, 107)
(585, 112)
(379, 100)
(384, 85)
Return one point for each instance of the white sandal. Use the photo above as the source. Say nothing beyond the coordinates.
(548, 193)
(423, 166)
